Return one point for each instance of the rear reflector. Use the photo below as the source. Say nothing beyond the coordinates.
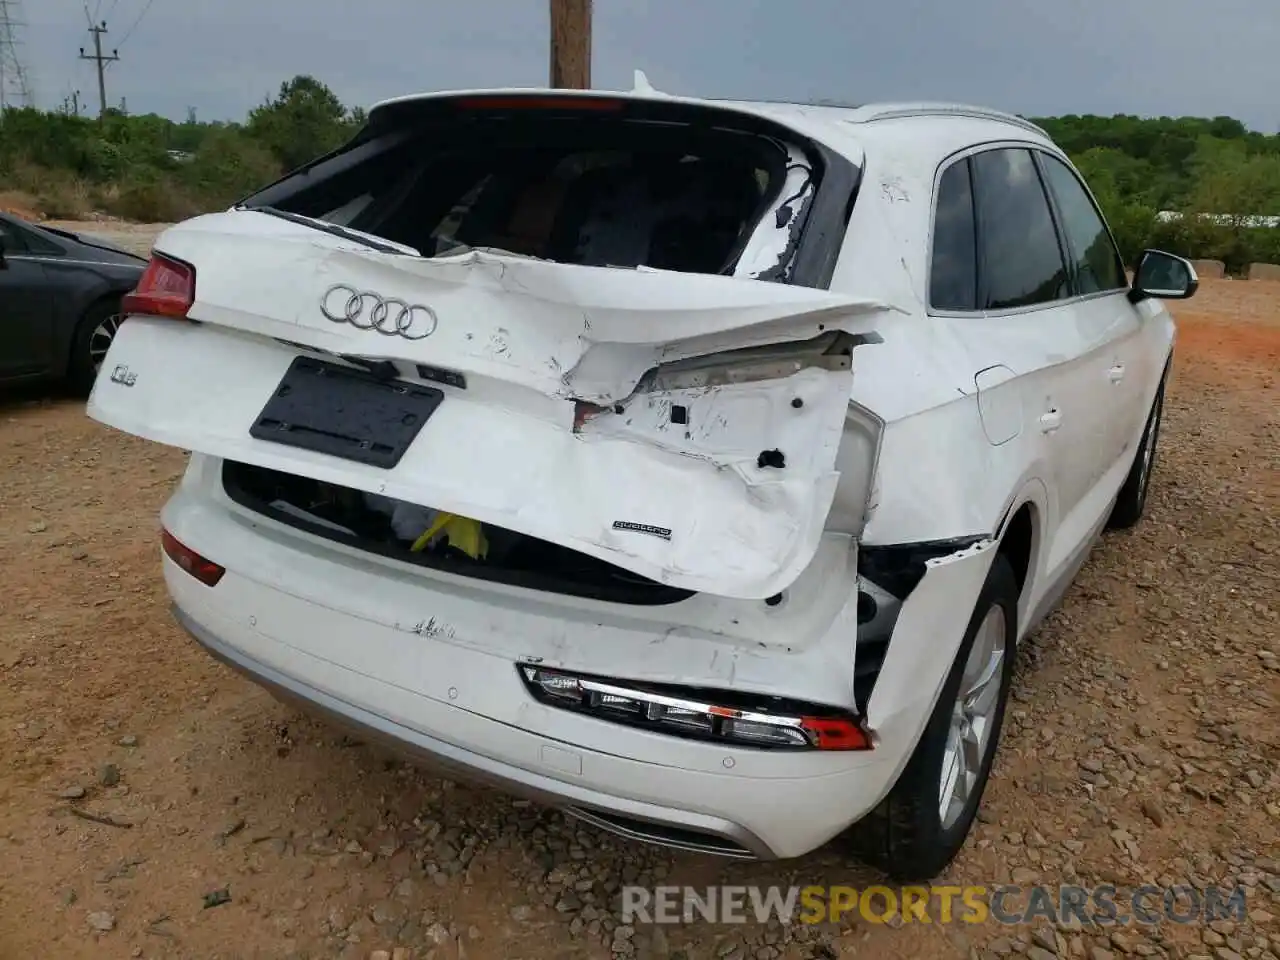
(206, 571)
(692, 716)
(167, 288)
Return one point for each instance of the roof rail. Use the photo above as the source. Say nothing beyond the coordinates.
(897, 111)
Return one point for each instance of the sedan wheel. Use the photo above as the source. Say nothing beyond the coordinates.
(94, 335)
(100, 340)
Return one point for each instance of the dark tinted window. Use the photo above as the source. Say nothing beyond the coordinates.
(591, 191)
(1093, 255)
(11, 238)
(18, 239)
(1021, 261)
(953, 276)
(37, 243)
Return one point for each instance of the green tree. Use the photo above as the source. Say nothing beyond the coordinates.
(228, 165)
(304, 121)
(1230, 181)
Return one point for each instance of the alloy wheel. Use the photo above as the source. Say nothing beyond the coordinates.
(100, 340)
(973, 716)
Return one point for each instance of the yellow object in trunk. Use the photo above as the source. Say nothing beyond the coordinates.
(463, 533)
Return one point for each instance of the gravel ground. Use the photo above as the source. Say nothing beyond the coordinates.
(1143, 744)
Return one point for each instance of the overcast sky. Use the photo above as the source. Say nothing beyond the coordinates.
(1150, 57)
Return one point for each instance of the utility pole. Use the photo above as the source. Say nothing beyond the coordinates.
(571, 44)
(100, 61)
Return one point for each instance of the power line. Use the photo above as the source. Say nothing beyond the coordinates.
(128, 33)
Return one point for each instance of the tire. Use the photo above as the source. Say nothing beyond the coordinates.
(1131, 501)
(94, 333)
(907, 836)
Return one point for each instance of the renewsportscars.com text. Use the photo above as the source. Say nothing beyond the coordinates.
(1003, 904)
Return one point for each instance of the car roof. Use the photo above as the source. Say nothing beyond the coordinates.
(937, 128)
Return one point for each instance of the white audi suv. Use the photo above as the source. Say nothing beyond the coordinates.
(694, 466)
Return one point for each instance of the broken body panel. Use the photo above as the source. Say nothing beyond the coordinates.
(532, 340)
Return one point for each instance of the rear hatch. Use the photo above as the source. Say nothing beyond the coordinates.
(554, 324)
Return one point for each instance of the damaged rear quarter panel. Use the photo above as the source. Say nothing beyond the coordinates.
(926, 638)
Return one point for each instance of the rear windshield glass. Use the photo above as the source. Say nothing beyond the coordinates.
(597, 192)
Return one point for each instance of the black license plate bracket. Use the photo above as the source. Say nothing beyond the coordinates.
(346, 413)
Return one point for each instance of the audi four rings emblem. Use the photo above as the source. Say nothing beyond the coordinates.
(366, 310)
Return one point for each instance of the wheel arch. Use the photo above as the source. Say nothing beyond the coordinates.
(1021, 538)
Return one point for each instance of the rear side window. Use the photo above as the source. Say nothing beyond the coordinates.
(19, 240)
(953, 272)
(9, 239)
(1022, 263)
(1093, 254)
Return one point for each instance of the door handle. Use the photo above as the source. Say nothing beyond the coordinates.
(1116, 373)
(1050, 421)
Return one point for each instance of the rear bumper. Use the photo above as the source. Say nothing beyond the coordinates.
(465, 711)
(428, 666)
(636, 820)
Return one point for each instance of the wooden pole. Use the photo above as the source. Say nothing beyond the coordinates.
(571, 44)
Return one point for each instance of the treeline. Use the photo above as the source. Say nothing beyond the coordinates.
(148, 168)
(1139, 167)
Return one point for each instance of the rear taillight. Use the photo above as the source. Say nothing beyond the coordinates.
(694, 715)
(204, 570)
(167, 288)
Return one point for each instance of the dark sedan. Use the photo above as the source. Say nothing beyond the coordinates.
(59, 302)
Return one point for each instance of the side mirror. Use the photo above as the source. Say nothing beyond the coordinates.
(1163, 275)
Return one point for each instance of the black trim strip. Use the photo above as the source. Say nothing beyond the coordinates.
(899, 568)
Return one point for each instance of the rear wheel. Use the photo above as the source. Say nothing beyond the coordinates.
(1132, 499)
(920, 827)
(94, 334)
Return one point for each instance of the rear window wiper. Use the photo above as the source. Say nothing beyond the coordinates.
(383, 246)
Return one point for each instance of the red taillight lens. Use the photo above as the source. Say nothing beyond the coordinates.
(206, 571)
(836, 733)
(167, 288)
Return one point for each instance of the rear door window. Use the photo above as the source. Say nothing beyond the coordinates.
(1021, 259)
(953, 269)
